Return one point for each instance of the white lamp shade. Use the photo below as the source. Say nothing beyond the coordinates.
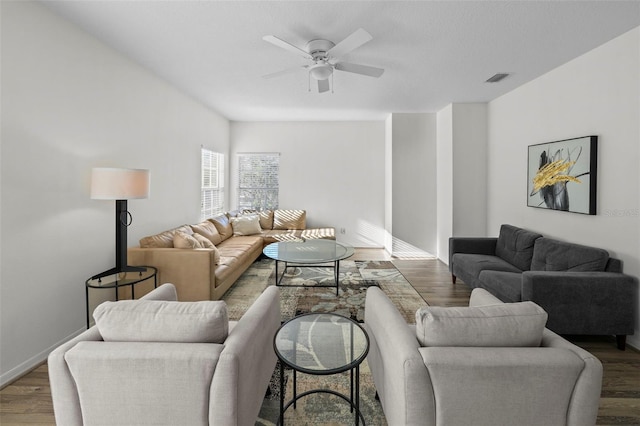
(119, 184)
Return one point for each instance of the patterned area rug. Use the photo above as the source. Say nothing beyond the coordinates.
(355, 277)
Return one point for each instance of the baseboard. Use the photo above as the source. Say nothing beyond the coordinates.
(33, 362)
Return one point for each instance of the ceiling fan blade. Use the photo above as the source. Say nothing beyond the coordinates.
(359, 69)
(287, 46)
(355, 40)
(285, 71)
(323, 86)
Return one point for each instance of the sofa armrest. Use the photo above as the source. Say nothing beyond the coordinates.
(247, 363)
(192, 271)
(64, 393)
(583, 302)
(583, 407)
(399, 374)
(473, 245)
(509, 385)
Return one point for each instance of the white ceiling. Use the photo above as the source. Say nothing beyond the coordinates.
(433, 52)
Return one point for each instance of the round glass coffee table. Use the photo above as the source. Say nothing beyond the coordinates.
(308, 253)
(321, 344)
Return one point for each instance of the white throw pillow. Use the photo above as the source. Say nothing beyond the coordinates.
(246, 225)
(501, 325)
(162, 321)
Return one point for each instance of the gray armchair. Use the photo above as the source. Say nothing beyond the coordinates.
(159, 363)
(459, 378)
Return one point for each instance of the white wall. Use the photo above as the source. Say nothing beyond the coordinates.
(461, 173)
(444, 181)
(69, 104)
(469, 169)
(333, 170)
(595, 94)
(413, 199)
(388, 183)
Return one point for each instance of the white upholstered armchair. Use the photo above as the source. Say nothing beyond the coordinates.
(489, 364)
(162, 362)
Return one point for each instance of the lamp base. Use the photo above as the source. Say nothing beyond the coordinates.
(117, 270)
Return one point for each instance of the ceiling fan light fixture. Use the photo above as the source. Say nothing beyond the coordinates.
(321, 71)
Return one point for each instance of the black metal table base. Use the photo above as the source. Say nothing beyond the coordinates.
(336, 274)
(353, 402)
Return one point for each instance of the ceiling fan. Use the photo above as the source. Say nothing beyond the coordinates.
(325, 57)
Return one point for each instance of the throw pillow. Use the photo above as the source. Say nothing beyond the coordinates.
(204, 241)
(164, 239)
(266, 217)
(246, 225)
(162, 321)
(208, 230)
(185, 241)
(500, 325)
(223, 225)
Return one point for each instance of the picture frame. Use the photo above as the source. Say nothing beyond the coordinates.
(562, 175)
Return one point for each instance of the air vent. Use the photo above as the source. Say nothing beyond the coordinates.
(496, 78)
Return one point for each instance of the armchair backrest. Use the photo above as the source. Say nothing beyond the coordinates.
(134, 383)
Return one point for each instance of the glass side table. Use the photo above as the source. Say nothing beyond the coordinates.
(122, 279)
(321, 344)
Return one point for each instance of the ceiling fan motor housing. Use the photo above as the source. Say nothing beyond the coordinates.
(318, 49)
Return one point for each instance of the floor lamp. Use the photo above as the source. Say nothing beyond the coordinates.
(120, 185)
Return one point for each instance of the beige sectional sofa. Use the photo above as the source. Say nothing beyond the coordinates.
(205, 259)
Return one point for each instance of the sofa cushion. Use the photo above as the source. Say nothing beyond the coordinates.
(185, 241)
(515, 245)
(503, 325)
(318, 233)
(468, 266)
(246, 225)
(223, 225)
(162, 321)
(554, 255)
(289, 219)
(164, 239)
(208, 230)
(506, 286)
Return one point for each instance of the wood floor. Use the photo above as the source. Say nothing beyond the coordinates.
(27, 401)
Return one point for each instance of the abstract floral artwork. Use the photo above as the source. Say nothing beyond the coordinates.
(562, 175)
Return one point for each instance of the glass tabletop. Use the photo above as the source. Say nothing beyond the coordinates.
(122, 279)
(321, 343)
(308, 251)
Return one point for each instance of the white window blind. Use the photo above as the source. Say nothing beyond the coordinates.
(212, 185)
(258, 180)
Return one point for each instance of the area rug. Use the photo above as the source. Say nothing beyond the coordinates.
(354, 280)
(355, 277)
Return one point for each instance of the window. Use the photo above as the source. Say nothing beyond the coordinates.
(258, 180)
(212, 185)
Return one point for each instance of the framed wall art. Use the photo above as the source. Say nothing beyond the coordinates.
(562, 175)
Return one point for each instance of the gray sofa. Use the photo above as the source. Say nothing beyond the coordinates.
(485, 365)
(581, 288)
